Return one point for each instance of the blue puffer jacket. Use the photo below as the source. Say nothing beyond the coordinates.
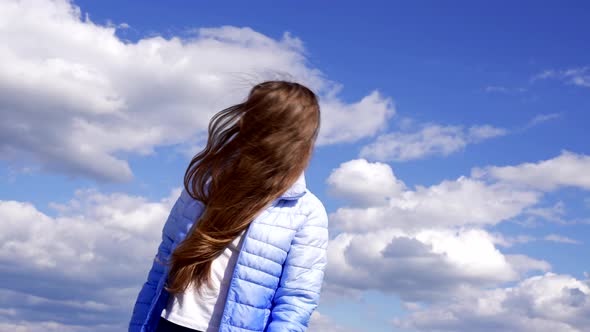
(278, 276)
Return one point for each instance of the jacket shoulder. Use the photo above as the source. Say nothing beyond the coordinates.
(184, 213)
(314, 210)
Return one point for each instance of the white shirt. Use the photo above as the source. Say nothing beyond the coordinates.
(203, 311)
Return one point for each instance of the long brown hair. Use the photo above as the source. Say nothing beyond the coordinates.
(256, 150)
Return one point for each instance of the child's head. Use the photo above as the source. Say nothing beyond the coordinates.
(279, 124)
(266, 141)
(256, 151)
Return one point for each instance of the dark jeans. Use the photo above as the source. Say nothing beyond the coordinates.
(167, 326)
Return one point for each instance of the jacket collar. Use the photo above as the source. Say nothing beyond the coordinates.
(297, 190)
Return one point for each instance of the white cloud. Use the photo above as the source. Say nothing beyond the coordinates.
(80, 268)
(579, 76)
(364, 183)
(546, 303)
(555, 213)
(561, 239)
(464, 201)
(430, 140)
(427, 242)
(509, 241)
(503, 89)
(538, 119)
(424, 266)
(567, 170)
(351, 122)
(523, 264)
(483, 132)
(76, 98)
(423, 243)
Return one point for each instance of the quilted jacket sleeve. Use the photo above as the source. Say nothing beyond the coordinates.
(147, 293)
(299, 289)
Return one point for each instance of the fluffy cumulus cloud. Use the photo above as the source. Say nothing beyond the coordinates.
(77, 99)
(364, 183)
(425, 243)
(80, 268)
(569, 169)
(544, 303)
(423, 266)
(429, 140)
(460, 202)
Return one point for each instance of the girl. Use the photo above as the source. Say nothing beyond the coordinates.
(244, 247)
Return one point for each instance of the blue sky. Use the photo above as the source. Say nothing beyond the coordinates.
(453, 157)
